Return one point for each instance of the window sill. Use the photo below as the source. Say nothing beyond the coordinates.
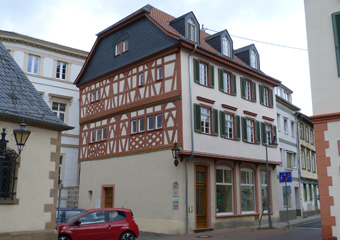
(152, 130)
(9, 202)
(101, 141)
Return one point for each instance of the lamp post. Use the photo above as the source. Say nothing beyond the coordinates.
(175, 151)
(21, 135)
(273, 143)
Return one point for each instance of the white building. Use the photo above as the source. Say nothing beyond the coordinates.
(52, 69)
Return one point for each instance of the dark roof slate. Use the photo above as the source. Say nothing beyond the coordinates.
(20, 100)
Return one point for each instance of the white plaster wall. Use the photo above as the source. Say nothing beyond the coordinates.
(216, 144)
(322, 59)
(33, 184)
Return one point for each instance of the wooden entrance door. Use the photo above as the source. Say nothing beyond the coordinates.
(201, 197)
(108, 197)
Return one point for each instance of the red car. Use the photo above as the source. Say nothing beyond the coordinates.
(100, 224)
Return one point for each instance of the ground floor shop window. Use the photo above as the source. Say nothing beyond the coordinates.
(224, 190)
(247, 190)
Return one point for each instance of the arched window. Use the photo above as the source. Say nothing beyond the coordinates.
(191, 30)
(224, 190)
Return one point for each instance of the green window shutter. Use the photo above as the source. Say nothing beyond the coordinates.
(261, 94)
(234, 84)
(197, 117)
(243, 91)
(263, 133)
(237, 128)
(271, 98)
(220, 79)
(336, 31)
(258, 133)
(244, 129)
(274, 130)
(215, 122)
(212, 76)
(222, 124)
(196, 71)
(254, 92)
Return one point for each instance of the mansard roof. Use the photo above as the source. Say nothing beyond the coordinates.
(163, 21)
(20, 101)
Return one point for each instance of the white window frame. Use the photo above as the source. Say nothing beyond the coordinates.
(93, 136)
(291, 160)
(303, 158)
(285, 125)
(253, 59)
(98, 135)
(247, 88)
(226, 47)
(205, 120)
(204, 74)
(125, 44)
(250, 131)
(117, 49)
(191, 30)
(150, 122)
(265, 96)
(229, 125)
(59, 112)
(279, 122)
(223, 168)
(268, 132)
(140, 79)
(248, 184)
(227, 82)
(61, 70)
(141, 124)
(33, 64)
(159, 73)
(292, 128)
(158, 120)
(104, 133)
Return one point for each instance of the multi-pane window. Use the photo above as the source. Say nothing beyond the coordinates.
(95, 96)
(229, 125)
(312, 136)
(248, 90)
(33, 64)
(247, 190)
(98, 134)
(226, 47)
(140, 79)
(268, 134)
(226, 82)
(279, 122)
(264, 192)
(303, 158)
(285, 125)
(286, 96)
(250, 131)
(224, 190)
(191, 30)
(292, 128)
(266, 96)
(205, 120)
(121, 47)
(125, 44)
(61, 70)
(253, 59)
(159, 73)
(104, 133)
(59, 109)
(203, 74)
(306, 134)
(278, 91)
(117, 49)
(8, 175)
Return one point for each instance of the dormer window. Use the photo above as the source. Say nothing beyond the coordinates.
(253, 59)
(226, 47)
(191, 30)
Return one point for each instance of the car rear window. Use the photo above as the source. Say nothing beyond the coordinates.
(116, 216)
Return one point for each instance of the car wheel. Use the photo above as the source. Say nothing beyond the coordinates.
(64, 237)
(127, 236)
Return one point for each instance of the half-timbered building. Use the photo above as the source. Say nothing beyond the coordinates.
(152, 80)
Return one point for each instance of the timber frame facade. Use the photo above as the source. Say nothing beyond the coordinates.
(152, 80)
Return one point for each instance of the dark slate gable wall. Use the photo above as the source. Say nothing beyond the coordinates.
(144, 39)
(215, 43)
(179, 25)
(244, 56)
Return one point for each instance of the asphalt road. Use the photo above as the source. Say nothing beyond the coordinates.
(312, 224)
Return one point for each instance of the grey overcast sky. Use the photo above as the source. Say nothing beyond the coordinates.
(75, 23)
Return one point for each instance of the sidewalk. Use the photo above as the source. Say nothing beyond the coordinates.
(244, 233)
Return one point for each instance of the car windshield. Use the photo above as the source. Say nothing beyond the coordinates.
(70, 219)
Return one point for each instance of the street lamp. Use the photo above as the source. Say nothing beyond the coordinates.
(175, 152)
(273, 143)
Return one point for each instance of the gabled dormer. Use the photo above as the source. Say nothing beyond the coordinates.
(222, 42)
(249, 55)
(188, 26)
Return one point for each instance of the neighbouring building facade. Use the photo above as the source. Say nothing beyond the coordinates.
(52, 68)
(323, 35)
(182, 86)
(29, 182)
(308, 169)
(288, 142)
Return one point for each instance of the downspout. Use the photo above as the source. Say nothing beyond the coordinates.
(299, 161)
(192, 145)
